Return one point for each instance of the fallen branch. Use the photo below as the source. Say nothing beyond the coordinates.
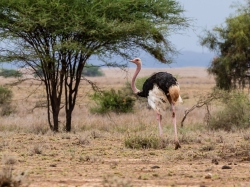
(204, 101)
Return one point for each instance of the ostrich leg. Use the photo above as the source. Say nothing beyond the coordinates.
(159, 117)
(177, 143)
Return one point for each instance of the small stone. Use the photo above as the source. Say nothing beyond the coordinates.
(208, 169)
(226, 167)
(155, 167)
(208, 176)
(215, 161)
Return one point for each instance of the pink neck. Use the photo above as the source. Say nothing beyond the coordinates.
(138, 69)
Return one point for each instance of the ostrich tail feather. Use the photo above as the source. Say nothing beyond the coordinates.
(180, 99)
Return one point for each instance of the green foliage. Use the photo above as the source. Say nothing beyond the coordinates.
(231, 41)
(5, 101)
(10, 73)
(112, 101)
(222, 76)
(145, 142)
(61, 36)
(235, 113)
(5, 95)
(140, 81)
(92, 71)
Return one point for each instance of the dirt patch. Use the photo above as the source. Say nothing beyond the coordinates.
(65, 162)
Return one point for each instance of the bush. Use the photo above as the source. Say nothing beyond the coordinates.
(139, 84)
(5, 101)
(235, 113)
(92, 71)
(6, 73)
(140, 81)
(112, 101)
(5, 95)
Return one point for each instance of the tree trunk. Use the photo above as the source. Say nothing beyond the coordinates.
(68, 120)
(56, 121)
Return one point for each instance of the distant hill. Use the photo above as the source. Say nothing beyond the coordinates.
(184, 59)
(191, 59)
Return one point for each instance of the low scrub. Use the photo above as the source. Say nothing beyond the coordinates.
(5, 95)
(112, 101)
(92, 71)
(5, 101)
(6, 73)
(234, 115)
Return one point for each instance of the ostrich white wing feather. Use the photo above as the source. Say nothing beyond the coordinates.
(158, 100)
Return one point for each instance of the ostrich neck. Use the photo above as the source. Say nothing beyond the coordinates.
(138, 69)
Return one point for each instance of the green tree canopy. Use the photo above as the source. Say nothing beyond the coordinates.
(59, 36)
(232, 43)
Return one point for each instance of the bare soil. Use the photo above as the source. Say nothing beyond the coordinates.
(96, 157)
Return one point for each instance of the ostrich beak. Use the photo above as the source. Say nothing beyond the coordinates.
(132, 61)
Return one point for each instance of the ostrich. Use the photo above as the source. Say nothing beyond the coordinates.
(160, 88)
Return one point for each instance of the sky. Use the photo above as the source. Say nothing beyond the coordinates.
(206, 14)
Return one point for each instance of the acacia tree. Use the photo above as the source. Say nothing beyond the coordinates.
(57, 37)
(231, 41)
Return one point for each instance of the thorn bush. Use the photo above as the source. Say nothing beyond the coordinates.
(112, 101)
(235, 113)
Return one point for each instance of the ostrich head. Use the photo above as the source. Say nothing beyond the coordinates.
(136, 61)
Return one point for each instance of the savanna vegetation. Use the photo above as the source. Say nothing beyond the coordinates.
(59, 37)
(114, 137)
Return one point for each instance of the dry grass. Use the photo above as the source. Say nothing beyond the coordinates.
(94, 153)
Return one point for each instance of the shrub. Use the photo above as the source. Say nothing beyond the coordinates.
(7, 109)
(112, 101)
(92, 71)
(235, 113)
(10, 73)
(5, 95)
(140, 81)
(5, 101)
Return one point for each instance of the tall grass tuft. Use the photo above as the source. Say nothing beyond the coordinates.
(7, 179)
(145, 142)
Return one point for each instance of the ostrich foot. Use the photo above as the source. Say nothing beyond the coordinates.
(177, 145)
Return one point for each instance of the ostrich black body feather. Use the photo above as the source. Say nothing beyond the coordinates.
(163, 80)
